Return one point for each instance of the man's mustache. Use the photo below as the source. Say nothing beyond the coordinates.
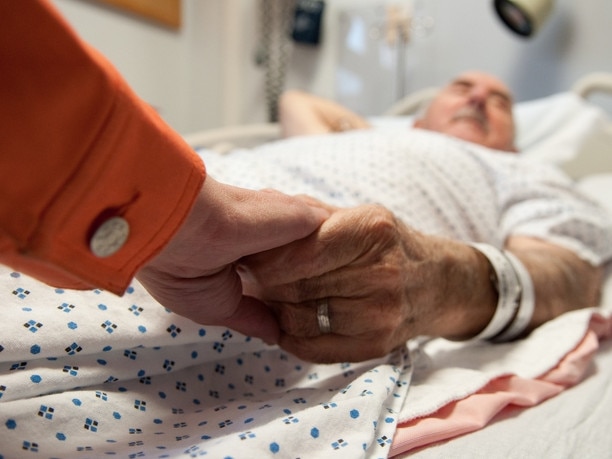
(474, 114)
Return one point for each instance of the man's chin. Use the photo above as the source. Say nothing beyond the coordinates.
(481, 139)
(469, 134)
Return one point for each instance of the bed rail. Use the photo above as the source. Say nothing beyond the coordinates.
(598, 81)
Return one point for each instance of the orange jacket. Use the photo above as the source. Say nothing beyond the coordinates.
(78, 147)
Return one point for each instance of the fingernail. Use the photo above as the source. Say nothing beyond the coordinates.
(323, 214)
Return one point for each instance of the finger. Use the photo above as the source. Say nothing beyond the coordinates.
(334, 349)
(309, 200)
(253, 318)
(240, 313)
(384, 276)
(342, 238)
(215, 299)
(347, 317)
(273, 219)
(243, 222)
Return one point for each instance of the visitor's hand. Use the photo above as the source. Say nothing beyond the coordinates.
(195, 276)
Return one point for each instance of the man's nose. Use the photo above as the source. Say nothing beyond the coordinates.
(478, 96)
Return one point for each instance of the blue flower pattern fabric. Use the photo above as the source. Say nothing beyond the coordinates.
(88, 374)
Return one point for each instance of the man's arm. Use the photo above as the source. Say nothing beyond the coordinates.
(562, 281)
(301, 113)
(386, 283)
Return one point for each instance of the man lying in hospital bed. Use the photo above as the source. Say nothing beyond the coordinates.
(437, 188)
(125, 376)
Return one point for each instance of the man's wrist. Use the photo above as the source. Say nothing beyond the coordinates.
(471, 296)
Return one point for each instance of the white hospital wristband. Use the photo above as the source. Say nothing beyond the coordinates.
(508, 290)
(527, 301)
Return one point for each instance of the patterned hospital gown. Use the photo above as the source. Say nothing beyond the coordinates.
(90, 375)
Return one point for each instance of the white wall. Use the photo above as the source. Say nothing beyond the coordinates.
(204, 75)
(573, 42)
(180, 72)
(468, 35)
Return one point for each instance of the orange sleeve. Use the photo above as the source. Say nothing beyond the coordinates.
(78, 147)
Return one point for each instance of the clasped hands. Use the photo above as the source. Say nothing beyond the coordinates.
(326, 284)
(380, 283)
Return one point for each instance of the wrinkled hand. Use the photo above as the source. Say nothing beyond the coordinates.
(195, 276)
(385, 283)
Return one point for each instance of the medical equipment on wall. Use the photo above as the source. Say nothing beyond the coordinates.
(282, 23)
(374, 58)
(524, 17)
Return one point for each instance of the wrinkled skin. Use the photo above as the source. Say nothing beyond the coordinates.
(377, 275)
(386, 283)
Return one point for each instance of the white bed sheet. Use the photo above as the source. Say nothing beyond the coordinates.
(573, 424)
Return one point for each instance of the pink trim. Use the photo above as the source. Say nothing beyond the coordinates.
(476, 411)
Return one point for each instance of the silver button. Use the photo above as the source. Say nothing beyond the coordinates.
(109, 237)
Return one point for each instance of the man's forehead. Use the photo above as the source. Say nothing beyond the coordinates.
(473, 78)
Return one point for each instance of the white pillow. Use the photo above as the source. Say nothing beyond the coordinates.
(566, 130)
(598, 187)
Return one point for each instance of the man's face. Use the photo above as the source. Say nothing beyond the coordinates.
(476, 107)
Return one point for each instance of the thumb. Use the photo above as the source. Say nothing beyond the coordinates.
(253, 318)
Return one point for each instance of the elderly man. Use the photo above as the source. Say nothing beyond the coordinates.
(369, 279)
(475, 106)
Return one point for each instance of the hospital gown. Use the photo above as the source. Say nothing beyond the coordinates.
(89, 374)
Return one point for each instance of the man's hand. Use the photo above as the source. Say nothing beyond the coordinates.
(301, 113)
(194, 275)
(384, 282)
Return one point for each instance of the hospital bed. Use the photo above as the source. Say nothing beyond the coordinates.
(511, 417)
(89, 374)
